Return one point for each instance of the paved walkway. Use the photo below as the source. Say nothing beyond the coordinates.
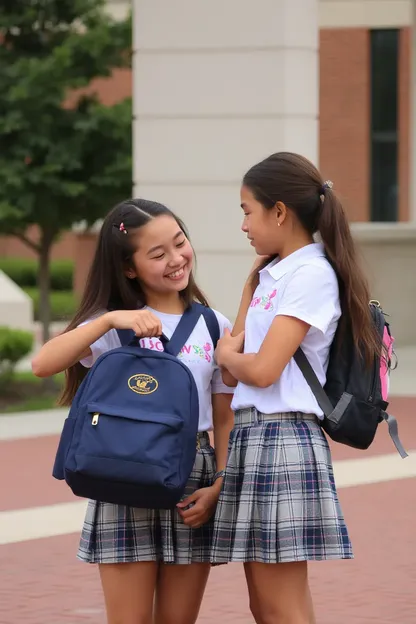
(41, 582)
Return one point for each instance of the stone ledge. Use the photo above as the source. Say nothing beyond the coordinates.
(384, 232)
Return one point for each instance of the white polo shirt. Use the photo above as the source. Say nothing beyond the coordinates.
(305, 286)
(197, 354)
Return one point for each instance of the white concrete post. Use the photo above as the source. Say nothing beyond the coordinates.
(16, 307)
(218, 86)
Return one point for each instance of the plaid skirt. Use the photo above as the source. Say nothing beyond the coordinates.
(119, 534)
(278, 502)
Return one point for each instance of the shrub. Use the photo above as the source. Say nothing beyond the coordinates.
(62, 274)
(23, 271)
(20, 270)
(63, 304)
(15, 344)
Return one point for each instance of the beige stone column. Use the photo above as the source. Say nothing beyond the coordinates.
(217, 86)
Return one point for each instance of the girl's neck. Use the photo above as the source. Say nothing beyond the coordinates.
(168, 303)
(294, 244)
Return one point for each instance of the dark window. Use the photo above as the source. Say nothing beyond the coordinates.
(384, 124)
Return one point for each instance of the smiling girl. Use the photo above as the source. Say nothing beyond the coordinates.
(142, 279)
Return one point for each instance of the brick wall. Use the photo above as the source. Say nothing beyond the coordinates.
(10, 246)
(345, 92)
(345, 116)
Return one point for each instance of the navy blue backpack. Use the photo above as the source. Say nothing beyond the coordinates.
(131, 434)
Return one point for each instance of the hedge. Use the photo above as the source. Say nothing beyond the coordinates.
(23, 271)
(15, 344)
(63, 304)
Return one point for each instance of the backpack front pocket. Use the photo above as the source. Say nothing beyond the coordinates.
(118, 443)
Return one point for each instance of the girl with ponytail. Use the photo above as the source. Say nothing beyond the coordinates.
(279, 508)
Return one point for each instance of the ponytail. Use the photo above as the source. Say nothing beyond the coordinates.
(293, 180)
(341, 251)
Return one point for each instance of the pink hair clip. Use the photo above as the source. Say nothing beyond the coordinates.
(122, 228)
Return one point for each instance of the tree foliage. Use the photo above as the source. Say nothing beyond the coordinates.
(64, 157)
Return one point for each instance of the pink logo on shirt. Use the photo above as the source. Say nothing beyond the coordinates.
(153, 344)
(201, 352)
(186, 352)
(264, 302)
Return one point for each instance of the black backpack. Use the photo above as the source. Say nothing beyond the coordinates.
(354, 399)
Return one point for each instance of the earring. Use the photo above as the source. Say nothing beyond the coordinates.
(278, 223)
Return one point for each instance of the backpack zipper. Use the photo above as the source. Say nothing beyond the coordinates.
(95, 418)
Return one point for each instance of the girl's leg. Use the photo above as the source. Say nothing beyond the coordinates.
(179, 592)
(129, 591)
(279, 593)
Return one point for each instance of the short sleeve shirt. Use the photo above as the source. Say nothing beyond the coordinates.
(304, 286)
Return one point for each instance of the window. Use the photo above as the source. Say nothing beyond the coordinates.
(384, 124)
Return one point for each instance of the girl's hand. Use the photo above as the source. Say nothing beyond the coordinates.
(228, 343)
(144, 323)
(202, 504)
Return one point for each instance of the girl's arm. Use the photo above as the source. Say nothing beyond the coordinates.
(249, 287)
(223, 419)
(264, 368)
(227, 378)
(200, 506)
(65, 350)
(246, 297)
(239, 324)
(309, 299)
(245, 301)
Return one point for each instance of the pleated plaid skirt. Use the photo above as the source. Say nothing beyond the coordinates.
(119, 534)
(279, 502)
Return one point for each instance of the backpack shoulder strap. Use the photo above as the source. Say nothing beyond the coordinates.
(184, 329)
(313, 382)
(125, 336)
(187, 324)
(212, 322)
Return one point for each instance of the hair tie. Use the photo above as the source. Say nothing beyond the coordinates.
(328, 184)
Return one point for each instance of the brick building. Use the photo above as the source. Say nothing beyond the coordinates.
(364, 108)
(361, 132)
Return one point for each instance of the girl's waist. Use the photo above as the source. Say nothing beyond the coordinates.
(249, 416)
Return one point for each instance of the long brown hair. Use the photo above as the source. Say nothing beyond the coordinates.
(107, 288)
(293, 180)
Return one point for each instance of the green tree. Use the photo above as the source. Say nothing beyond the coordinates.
(60, 163)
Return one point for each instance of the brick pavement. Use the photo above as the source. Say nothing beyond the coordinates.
(41, 582)
(33, 485)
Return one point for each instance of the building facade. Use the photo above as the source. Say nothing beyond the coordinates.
(231, 82)
(365, 49)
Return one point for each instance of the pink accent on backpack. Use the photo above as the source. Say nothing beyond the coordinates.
(385, 362)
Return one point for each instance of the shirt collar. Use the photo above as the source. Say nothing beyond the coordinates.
(277, 268)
